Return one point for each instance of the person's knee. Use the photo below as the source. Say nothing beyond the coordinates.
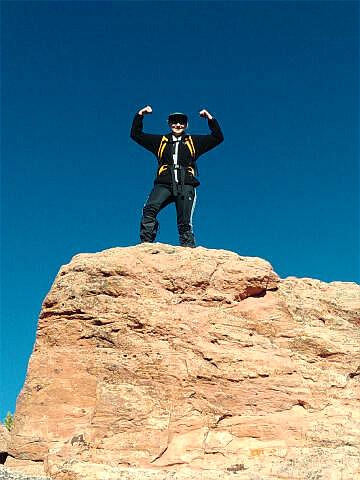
(150, 210)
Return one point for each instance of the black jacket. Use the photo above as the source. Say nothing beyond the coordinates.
(190, 149)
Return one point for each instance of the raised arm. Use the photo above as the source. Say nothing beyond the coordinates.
(147, 140)
(204, 143)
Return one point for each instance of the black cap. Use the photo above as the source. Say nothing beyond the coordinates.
(177, 117)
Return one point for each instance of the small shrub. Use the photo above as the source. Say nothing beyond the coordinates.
(9, 421)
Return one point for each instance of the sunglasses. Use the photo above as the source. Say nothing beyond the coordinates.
(177, 123)
(174, 119)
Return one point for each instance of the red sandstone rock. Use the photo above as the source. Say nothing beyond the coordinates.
(4, 439)
(155, 358)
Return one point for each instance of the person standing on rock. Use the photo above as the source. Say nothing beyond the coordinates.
(175, 182)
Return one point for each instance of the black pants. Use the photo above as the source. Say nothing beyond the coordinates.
(160, 197)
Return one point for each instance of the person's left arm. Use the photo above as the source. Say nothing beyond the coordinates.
(204, 143)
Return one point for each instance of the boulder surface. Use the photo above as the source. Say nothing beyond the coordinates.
(158, 362)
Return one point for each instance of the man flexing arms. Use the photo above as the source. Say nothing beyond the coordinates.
(175, 182)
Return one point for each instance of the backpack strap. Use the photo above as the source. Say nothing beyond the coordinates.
(190, 144)
(162, 146)
(162, 169)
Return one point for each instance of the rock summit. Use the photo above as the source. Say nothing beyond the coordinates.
(160, 362)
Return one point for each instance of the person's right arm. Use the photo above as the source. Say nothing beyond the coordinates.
(146, 140)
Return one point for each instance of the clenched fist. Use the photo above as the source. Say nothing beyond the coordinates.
(145, 110)
(204, 113)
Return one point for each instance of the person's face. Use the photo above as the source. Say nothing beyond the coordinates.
(178, 128)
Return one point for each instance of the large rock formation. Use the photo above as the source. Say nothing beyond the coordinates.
(156, 361)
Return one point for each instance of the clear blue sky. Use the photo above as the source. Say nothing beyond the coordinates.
(280, 77)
